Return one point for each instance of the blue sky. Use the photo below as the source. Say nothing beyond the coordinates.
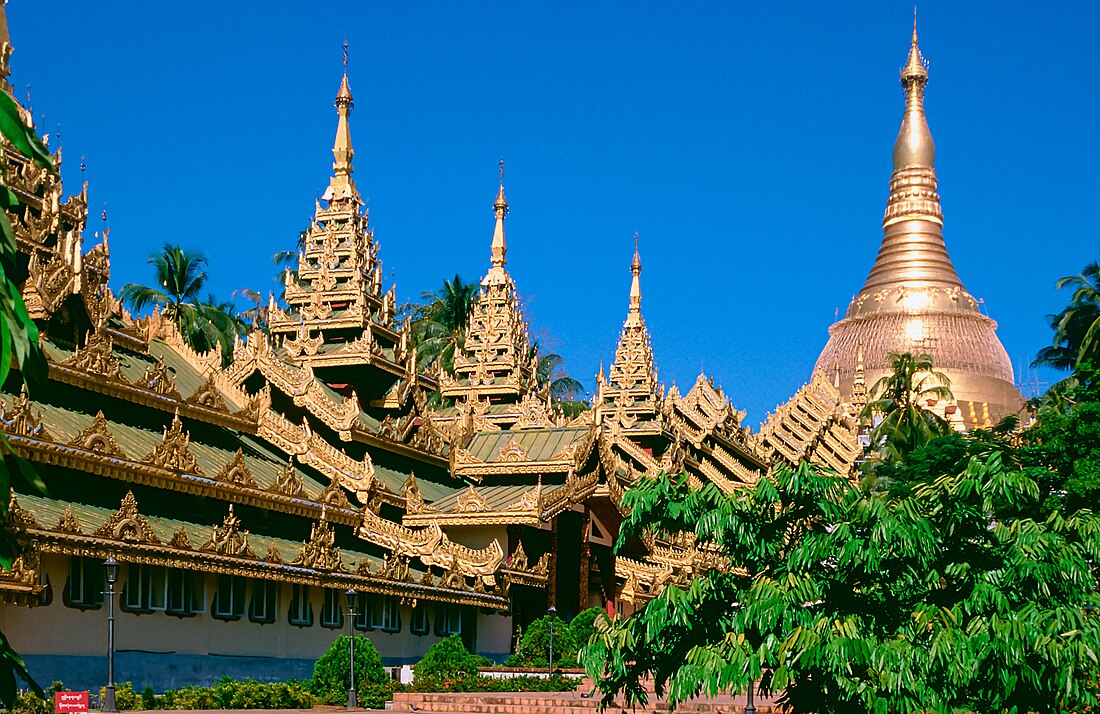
(748, 143)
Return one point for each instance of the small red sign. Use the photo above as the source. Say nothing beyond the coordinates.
(70, 702)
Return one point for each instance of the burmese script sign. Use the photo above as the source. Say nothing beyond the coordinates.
(70, 702)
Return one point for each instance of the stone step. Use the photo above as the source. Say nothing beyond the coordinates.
(553, 703)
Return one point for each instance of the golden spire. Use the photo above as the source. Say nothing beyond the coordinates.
(635, 315)
(341, 186)
(5, 49)
(499, 247)
(859, 382)
(914, 145)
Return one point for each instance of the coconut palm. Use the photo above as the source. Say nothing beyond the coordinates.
(899, 399)
(551, 378)
(1077, 326)
(256, 315)
(287, 261)
(439, 324)
(181, 275)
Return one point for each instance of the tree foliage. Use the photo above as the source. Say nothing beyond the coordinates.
(332, 673)
(439, 323)
(1077, 326)
(957, 591)
(181, 277)
(19, 347)
(445, 661)
(899, 400)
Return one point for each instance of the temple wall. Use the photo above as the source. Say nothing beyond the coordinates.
(165, 651)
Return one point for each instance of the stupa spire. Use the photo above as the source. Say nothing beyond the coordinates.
(499, 246)
(914, 145)
(5, 49)
(635, 313)
(342, 186)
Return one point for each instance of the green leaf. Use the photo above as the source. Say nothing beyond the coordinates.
(20, 135)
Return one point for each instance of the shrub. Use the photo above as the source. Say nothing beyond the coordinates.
(447, 660)
(31, 703)
(125, 696)
(330, 674)
(583, 626)
(534, 646)
(557, 683)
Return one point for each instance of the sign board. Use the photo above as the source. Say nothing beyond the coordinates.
(70, 702)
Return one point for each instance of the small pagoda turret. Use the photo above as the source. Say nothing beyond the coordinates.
(338, 319)
(494, 367)
(630, 396)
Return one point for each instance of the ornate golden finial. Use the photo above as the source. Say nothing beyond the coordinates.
(341, 186)
(636, 281)
(914, 145)
(499, 246)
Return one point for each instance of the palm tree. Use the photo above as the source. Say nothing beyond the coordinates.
(899, 399)
(255, 316)
(551, 378)
(439, 324)
(1077, 326)
(287, 261)
(181, 275)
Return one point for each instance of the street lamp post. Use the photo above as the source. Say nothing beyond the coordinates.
(350, 594)
(552, 611)
(749, 707)
(110, 566)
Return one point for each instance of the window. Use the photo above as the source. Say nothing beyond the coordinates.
(229, 598)
(263, 601)
(385, 616)
(145, 589)
(364, 605)
(186, 592)
(332, 611)
(418, 623)
(448, 619)
(301, 611)
(86, 583)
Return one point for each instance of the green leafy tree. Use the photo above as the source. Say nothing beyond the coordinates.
(19, 347)
(551, 378)
(534, 646)
(446, 661)
(898, 399)
(181, 275)
(1077, 326)
(942, 595)
(254, 316)
(331, 674)
(439, 324)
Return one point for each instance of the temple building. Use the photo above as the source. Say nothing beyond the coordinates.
(245, 493)
(913, 300)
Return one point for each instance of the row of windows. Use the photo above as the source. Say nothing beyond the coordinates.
(152, 588)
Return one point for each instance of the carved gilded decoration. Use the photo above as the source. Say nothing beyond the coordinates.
(237, 472)
(174, 452)
(127, 524)
(98, 439)
(320, 552)
(228, 538)
(21, 419)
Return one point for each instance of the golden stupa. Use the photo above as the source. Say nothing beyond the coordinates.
(913, 299)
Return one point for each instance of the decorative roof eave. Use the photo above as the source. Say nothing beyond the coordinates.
(312, 450)
(344, 419)
(130, 471)
(244, 420)
(515, 460)
(46, 541)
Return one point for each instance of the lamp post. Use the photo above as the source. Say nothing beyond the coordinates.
(552, 612)
(749, 707)
(110, 567)
(350, 594)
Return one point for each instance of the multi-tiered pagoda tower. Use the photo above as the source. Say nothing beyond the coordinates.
(913, 299)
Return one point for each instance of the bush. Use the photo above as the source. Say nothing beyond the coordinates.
(583, 626)
(125, 696)
(330, 674)
(31, 703)
(447, 660)
(534, 646)
(557, 683)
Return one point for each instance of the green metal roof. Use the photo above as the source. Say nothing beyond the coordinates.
(540, 444)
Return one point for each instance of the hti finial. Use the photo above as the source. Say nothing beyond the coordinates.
(502, 172)
(346, 53)
(914, 25)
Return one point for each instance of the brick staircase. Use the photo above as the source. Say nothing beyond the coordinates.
(558, 703)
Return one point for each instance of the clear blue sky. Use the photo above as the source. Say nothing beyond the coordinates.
(748, 143)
